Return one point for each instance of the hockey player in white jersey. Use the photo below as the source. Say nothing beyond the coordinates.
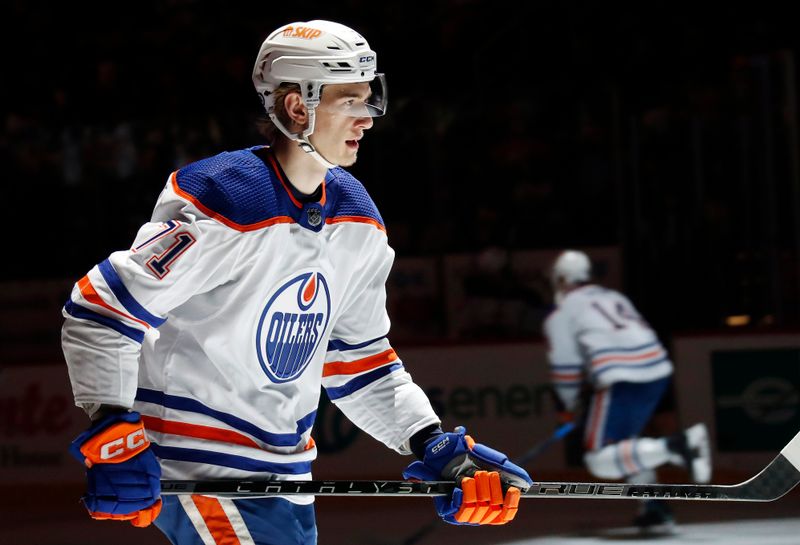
(200, 351)
(597, 338)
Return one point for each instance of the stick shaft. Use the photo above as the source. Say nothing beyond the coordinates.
(774, 481)
(781, 478)
(542, 490)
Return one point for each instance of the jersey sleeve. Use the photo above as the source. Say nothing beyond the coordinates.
(363, 375)
(120, 303)
(564, 355)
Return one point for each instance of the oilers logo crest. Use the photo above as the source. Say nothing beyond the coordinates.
(291, 326)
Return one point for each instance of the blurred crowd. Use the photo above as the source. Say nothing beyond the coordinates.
(509, 127)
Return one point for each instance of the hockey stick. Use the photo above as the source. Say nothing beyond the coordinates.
(562, 431)
(771, 483)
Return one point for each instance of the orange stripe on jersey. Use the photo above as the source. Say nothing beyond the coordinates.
(216, 520)
(357, 366)
(595, 420)
(277, 170)
(219, 217)
(626, 450)
(565, 376)
(198, 431)
(355, 219)
(600, 361)
(91, 295)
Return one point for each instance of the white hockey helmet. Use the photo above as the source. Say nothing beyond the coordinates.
(571, 266)
(312, 54)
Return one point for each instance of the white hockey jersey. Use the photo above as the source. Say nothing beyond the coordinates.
(597, 335)
(234, 305)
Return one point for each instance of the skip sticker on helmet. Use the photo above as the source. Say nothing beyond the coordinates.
(305, 32)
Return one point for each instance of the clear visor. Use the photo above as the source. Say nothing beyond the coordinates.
(356, 99)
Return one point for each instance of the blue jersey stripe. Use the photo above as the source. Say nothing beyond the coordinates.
(306, 422)
(628, 366)
(229, 460)
(361, 381)
(634, 349)
(74, 309)
(192, 405)
(132, 305)
(342, 346)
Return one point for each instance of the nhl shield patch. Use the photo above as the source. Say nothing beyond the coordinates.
(314, 216)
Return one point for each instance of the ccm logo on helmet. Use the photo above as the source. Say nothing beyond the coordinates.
(306, 32)
(117, 447)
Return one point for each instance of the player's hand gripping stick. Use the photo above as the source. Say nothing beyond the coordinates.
(123, 475)
(488, 484)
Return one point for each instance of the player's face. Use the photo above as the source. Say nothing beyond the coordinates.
(342, 118)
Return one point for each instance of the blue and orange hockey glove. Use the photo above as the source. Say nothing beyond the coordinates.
(123, 475)
(488, 484)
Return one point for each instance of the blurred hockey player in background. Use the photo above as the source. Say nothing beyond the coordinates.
(200, 351)
(597, 339)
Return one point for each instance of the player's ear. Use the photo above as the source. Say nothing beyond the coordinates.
(295, 109)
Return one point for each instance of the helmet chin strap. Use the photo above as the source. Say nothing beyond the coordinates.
(302, 140)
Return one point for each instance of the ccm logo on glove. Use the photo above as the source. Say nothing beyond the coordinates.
(132, 442)
(440, 445)
(117, 444)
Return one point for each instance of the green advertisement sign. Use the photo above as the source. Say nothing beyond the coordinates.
(756, 398)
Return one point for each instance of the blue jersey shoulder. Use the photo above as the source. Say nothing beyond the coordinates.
(351, 197)
(236, 185)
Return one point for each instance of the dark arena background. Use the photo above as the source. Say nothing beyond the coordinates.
(661, 139)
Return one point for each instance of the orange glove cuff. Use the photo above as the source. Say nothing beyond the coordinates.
(141, 518)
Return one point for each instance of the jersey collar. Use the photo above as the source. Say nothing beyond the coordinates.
(298, 199)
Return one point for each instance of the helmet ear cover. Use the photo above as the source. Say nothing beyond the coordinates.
(311, 90)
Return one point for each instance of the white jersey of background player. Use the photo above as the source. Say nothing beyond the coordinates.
(259, 279)
(596, 336)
